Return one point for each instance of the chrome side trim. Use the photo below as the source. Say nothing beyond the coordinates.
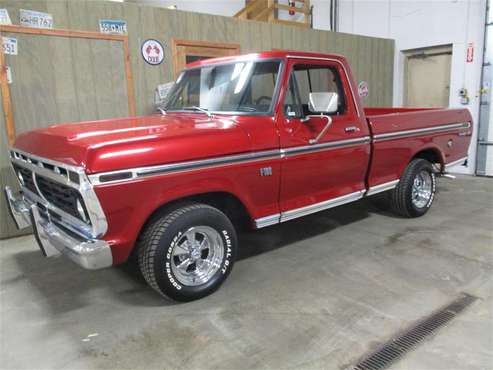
(419, 131)
(134, 173)
(455, 163)
(382, 187)
(187, 166)
(345, 72)
(324, 146)
(267, 221)
(97, 217)
(303, 211)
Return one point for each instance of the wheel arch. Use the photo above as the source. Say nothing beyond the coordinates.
(228, 203)
(433, 154)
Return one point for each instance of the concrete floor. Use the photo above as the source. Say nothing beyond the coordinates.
(318, 292)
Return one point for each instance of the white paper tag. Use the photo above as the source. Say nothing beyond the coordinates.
(164, 89)
(9, 45)
(4, 17)
(161, 94)
(9, 74)
(113, 26)
(33, 19)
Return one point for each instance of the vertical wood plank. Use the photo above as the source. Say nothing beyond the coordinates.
(6, 100)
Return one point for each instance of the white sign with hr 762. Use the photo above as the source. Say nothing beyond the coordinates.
(9, 45)
(31, 18)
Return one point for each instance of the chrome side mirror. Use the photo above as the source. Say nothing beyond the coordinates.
(323, 102)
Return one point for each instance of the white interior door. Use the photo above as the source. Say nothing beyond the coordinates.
(427, 77)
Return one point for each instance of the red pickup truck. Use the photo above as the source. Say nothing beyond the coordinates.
(262, 138)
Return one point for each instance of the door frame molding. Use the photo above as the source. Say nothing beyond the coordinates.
(176, 43)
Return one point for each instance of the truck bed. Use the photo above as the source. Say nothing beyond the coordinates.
(393, 120)
(399, 132)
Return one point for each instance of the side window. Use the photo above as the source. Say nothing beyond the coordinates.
(292, 104)
(306, 78)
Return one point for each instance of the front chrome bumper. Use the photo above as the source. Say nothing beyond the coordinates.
(53, 239)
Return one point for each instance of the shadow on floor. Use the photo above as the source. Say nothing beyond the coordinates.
(65, 286)
(261, 241)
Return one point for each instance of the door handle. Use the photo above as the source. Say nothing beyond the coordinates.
(351, 129)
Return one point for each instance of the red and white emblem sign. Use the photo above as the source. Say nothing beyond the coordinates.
(363, 89)
(470, 53)
(153, 52)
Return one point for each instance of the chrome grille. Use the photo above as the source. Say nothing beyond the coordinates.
(57, 188)
(60, 191)
(61, 196)
(57, 169)
(27, 178)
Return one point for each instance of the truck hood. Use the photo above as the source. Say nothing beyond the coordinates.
(115, 144)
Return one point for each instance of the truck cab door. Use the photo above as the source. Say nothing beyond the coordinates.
(332, 171)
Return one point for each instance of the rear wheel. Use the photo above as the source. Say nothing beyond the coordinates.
(416, 190)
(188, 253)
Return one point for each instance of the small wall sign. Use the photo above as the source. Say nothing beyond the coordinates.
(470, 53)
(152, 52)
(9, 45)
(33, 19)
(113, 26)
(363, 90)
(4, 17)
(9, 74)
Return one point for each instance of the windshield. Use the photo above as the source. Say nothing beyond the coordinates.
(228, 88)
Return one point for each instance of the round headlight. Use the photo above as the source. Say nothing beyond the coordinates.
(21, 178)
(81, 211)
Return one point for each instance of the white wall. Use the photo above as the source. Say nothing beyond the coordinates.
(418, 24)
(229, 7)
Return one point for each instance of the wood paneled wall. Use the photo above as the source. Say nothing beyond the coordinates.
(65, 80)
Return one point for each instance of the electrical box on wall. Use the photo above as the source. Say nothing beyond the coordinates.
(464, 96)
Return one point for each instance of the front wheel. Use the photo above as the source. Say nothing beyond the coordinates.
(188, 253)
(416, 190)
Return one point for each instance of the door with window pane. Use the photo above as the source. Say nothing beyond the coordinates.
(313, 173)
(188, 51)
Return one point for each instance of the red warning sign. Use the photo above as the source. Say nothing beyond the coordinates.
(470, 53)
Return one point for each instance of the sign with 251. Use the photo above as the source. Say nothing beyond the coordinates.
(9, 45)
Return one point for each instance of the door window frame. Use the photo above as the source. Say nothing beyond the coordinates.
(344, 84)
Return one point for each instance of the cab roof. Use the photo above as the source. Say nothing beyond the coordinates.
(284, 54)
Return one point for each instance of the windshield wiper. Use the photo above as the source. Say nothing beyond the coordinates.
(203, 110)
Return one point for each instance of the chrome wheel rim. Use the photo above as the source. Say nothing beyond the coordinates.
(197, 255)
(422, 189)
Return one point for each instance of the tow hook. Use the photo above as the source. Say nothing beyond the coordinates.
(448, 176)
(439, 173)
